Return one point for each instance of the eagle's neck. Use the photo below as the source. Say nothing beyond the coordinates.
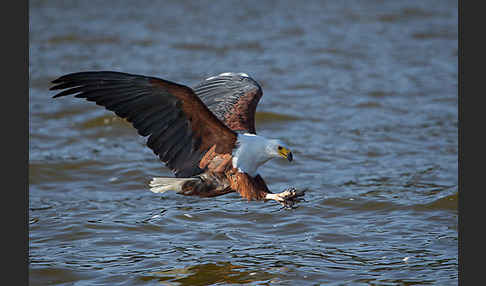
(251, 152)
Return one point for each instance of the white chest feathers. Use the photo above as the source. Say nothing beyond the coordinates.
(252, 151)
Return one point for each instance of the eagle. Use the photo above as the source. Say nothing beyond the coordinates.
(205, 135)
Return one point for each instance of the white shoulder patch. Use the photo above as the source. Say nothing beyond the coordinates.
(231, 74)
(226, 74)
(210, 78)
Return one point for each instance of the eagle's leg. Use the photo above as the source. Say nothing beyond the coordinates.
(209, 185)
(288, 197)
(203, 185)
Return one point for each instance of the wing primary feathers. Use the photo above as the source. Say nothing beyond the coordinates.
(179, 161)
(163, 144)
(106, 94)
(160, 132)
(174, 145)
(146, 113)
(123, 107)
(144, 122)
(93, 75)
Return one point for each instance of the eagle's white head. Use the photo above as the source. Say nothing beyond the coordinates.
(253, 150)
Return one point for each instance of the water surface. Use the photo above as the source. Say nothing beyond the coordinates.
(364, 93)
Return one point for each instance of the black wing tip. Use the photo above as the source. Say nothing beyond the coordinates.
(58, 86)
(71, 80)
(90, 75)
(67, 91)
(59, 80)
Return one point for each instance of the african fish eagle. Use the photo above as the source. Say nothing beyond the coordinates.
(205, 135)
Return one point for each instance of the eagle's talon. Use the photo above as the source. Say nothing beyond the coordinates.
(287, 198)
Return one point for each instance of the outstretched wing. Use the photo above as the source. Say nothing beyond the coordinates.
(180, 127)
(233, 98)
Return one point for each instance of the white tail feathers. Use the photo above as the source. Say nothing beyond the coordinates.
(161, 185)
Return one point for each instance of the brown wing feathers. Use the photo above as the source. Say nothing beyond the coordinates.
(180, 126)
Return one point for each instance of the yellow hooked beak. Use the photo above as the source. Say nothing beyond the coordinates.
(285, 153)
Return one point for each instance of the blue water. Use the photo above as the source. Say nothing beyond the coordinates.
(363, 92)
